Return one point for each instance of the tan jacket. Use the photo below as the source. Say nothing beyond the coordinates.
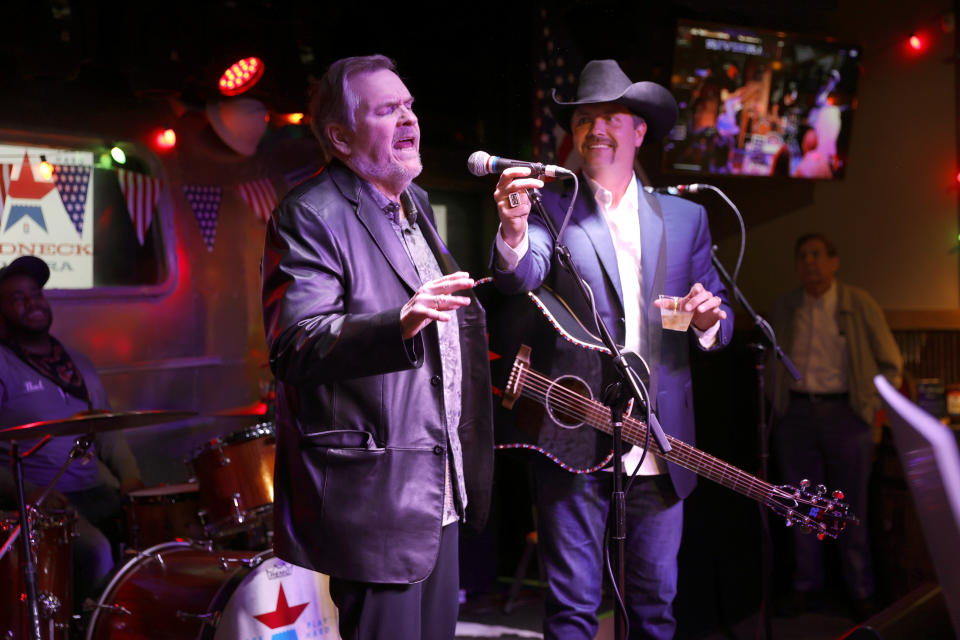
(870, 344)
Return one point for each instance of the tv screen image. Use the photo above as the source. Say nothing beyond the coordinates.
(761, 103)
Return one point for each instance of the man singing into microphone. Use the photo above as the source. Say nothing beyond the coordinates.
(630, 247)
(384, 436)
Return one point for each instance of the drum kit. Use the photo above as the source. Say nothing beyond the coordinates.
(197, 563)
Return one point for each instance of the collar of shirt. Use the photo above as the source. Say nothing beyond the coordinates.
(604, 197)
(827, 302)
(392, 208)
(623, 219)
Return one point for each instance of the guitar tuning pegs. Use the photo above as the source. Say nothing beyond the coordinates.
(837, 495)
(804, 483)
(821, 490)
(789, 522)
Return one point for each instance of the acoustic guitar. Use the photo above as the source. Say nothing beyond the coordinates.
(569, 402)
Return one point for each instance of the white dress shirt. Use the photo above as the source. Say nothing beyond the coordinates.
(819, 350)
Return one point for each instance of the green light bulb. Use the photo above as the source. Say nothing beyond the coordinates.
(118, 155)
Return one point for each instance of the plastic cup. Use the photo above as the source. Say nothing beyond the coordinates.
(672, 317)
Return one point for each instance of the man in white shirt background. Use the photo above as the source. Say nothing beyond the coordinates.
(838, 338)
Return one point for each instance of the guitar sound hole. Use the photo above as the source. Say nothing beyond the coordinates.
(565, 408)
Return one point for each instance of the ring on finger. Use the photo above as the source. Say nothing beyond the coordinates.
(514, 199)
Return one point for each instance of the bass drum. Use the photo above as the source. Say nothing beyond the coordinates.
(178, 590)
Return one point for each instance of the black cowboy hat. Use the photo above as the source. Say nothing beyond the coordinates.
(605, 81)
(27, 266)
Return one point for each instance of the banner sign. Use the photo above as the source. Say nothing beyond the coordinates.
(47, 200)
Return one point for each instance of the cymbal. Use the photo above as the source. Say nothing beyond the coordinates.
(92, 422)
(258, 408)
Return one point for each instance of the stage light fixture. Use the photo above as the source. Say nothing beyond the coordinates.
(916, 42)
(241, 76)
(118, 155)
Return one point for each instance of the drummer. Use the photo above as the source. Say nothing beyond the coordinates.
(41, 379)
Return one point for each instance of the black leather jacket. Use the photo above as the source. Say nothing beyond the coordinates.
(361, 446)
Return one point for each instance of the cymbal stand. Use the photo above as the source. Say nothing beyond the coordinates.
(81, 446)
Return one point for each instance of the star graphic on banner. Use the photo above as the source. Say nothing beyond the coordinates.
(283, 615)
(26, 187)
(18, 211)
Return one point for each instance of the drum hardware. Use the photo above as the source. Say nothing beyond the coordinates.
(211, 618)
(203, 514)
(250, 563)
(224, 460)
(204, 545)
(112, 609)
(238, 513)
(49, 605)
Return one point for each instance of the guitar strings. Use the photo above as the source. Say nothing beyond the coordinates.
(682, 453)
(536, 386)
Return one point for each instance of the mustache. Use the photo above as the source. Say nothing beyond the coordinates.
(591, 139)
(406, 132)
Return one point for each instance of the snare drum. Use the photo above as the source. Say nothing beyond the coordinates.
(179, 590)
(53, 533)
(161, 513)
(235, 474)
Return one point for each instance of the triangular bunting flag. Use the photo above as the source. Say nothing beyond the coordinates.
(4, 184)
(141, 193)
(205, 199)
(72, 182)
(260, 196)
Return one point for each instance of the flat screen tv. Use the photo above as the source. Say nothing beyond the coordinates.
(761, 103)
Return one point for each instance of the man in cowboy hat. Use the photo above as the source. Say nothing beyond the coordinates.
(631, 247)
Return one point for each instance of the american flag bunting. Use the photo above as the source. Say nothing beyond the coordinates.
(259, 196)
(72, 183)
(205, 200)
(551, 142)
(141, 194)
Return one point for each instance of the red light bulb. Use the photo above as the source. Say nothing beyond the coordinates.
(165, 139)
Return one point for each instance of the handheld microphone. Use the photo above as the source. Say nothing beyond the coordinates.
(678, 190)
(481, 163)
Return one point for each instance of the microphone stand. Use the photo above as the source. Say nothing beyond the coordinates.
(764, 625)
(630, 382)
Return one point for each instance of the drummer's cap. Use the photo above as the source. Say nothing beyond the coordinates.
(27, 266)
